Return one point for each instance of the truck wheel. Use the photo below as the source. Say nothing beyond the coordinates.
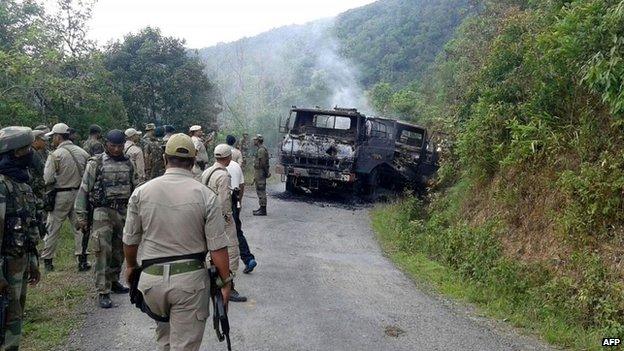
(290, 184)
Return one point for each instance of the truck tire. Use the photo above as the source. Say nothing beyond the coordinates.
(290, 184)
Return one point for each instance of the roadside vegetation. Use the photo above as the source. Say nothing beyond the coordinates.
(528, 209)
(54, 308)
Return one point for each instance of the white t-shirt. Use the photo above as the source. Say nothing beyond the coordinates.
(236, 174)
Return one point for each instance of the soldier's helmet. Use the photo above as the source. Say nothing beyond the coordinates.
(95, 129)
(180, 145)
(222, 151)
(116, 137)
(13, 138)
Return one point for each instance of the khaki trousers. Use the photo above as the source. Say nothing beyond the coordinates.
(63, 209)
(185, 298)
(233, 249)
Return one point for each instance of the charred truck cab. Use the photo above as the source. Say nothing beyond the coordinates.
(342, 149)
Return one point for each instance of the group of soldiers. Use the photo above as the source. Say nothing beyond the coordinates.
(127, 193)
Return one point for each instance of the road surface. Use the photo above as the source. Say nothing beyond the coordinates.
(322, 283)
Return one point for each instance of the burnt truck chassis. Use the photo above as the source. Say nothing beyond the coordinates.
(343, 150)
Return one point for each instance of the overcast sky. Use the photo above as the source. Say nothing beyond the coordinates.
(206, 22)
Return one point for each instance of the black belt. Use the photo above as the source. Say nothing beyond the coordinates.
(60, 190)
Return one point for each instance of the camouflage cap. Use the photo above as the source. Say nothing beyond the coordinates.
(222, 151)
(95, 129)
(13, 138)
(43, 128)
(40, 134)
(195, 128)
(180, 145)
(150, 126)
(258, 137)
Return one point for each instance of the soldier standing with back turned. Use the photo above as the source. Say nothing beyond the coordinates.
(18, 229)
(94, 145)
(107, 185)
(261, 173)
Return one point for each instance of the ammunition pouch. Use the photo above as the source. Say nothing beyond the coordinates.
(49, 200)
(136, 296)
(16, 241)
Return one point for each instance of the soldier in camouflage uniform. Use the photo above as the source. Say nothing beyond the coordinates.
(107, 184)
(18, 228)
(94, 145)
(154, 154)
(261, 173)
(40, 155)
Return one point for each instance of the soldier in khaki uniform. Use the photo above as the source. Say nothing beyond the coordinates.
(261, 173)
(107, 185)
(63, 171)
(177, 220)
(201, 161)
(133, 151)
(217, 178)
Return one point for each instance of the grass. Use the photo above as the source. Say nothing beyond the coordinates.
(525, 308)
(53, 307)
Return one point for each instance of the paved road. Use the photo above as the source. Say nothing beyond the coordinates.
(322, 284)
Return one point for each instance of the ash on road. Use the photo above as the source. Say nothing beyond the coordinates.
(322, 283)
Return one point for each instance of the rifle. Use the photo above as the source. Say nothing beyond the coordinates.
(4, 305)
(220, 320)
(86, 232)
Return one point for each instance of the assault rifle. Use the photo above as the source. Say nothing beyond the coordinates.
(4, 305)
(220, 320)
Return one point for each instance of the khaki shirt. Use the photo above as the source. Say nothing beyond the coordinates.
(174, 215)
(219, 182)
(237, 156)
(202, 154)
(61, 169)
(135, 154)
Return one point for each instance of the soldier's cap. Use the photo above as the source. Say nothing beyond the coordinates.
(95, 129)
(59, 128)
(258, 137)
(130, 132)
(40, 134)
(180, 145)
(194, 128)
(150, 126)
(230, 140)
(116, 137)
(159, 132)
(13, 138)
(43, 128)
(170, 129)
(222, 151)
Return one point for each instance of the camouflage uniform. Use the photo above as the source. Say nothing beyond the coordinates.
(93, 146)
(154, 161)
(19, 235)
(38, 187)
(261, 172)
(107, 184)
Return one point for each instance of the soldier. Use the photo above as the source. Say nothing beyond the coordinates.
(173, 222)
(217, 178)
(169, 131)
(202, 160)
(134, 152)
(237, 184)
(237, 155)
(94, 145)
(63, 171)
(107, 185)
(244, 148)
(40, 155)
(18, 229)
(153, 154)
(261, 173)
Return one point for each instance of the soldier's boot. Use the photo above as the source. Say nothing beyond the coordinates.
(47, 263)
(117, 288)
(235, 296)
(260, 212)
(83, 264)
(105, 301)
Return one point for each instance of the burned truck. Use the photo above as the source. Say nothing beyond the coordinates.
(342, 149)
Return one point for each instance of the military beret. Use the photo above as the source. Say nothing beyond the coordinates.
(13, 138)
(222, 151)
(180, 145)
(116, 137)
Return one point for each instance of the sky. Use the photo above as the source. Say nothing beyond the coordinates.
(204, 23)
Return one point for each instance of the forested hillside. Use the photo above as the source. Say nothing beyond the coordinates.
(329, 62)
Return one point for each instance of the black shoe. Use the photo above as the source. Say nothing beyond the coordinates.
(83, 264)
(236, 297)
(47, 263)
(117, 288)
(260, 212)
(249, 267)
(105, 301)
